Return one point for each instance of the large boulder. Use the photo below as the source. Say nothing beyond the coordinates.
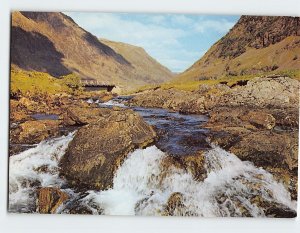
(272, 91)
(269, 149)
(99, 148)
(173, 99)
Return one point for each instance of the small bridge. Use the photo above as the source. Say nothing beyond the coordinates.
(94, 85)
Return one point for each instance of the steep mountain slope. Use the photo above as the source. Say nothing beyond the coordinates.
(54, 43)
(254, 45)
(142, 62)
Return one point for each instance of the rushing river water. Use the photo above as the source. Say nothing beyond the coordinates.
(230, 188)
(179, 134)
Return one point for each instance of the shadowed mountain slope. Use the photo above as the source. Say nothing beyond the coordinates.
(54, 43)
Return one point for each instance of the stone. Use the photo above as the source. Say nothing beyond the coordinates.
(34, 131)
(79, 115)
(50, 199)
(260, 119)
(279, 92)
(19, 116)
(172, 99)
(174, 205)
(268, 149)
(280, 211)
(194, 164)
(98, 149)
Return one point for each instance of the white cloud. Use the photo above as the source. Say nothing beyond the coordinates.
(182, 20)
(114, 27)
(220, 26)
(158, 40)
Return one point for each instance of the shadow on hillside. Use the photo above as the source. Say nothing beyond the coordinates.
(33, 51)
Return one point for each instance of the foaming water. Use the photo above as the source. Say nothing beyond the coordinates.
(141, 186)
(33, 168)
(230, 189)
(112, 103)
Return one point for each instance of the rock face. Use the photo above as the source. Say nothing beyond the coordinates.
(49, 199)
(268, 149)
(38, 116)
(251, 31)
(98, 149)
(280, 211)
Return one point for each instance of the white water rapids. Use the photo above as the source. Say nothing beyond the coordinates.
(228, 190)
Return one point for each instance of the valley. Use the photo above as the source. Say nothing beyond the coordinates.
(217, 140)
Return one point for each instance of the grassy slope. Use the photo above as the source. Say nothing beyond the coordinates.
(192, 85)
(284, 54)
(33, 82)
(144, 64)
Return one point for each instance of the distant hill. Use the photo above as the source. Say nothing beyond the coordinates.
(54, 43)
(256, 44)
(144, 65)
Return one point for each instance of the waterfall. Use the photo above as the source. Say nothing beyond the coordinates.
(230, 189)
(36, 167)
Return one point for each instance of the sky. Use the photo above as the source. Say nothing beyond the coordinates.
(174, 40)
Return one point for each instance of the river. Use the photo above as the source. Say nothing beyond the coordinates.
(230, 188)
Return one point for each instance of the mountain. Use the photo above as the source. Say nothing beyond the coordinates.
(142, 62)
(255, 44)
(52, 42)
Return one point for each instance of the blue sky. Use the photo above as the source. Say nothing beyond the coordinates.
(175, 40)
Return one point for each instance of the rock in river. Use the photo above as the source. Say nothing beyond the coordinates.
(78, 115)
(49, 199)
(34, 131)
(99, 148)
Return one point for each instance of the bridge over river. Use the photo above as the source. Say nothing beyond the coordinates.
(94, 85)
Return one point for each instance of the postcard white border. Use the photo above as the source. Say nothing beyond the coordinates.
(75, 224)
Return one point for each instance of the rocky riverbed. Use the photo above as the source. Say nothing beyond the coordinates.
(257, 121)
(234, 154)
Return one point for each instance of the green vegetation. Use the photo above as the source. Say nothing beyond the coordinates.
(35, 83)
(72, 81)
(229, 80)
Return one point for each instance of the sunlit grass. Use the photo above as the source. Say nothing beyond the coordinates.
(229, 80)
(38, 82)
